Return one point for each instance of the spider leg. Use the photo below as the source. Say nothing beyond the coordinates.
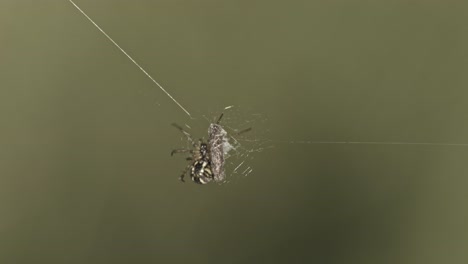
(189, 158)
(181, 178)
(187, 134)
(219, 118)
(180, 151)
(243, 131)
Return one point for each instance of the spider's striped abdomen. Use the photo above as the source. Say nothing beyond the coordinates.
(201, 172)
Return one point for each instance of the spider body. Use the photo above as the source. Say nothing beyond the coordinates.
(200, 169)
(203, 168)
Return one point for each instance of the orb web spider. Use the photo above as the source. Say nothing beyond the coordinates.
(207, 158)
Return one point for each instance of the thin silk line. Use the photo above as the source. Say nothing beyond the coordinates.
(131, 59)
(379, 143)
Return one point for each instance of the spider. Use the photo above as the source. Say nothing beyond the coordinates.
(207, 158)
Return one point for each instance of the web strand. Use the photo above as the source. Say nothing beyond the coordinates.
(379, 143)
(131, 59)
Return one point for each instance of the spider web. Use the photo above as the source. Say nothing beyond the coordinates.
(239, 149)
(243, 137)
(236, 149)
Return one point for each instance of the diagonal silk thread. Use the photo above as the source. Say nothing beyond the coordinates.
(131, 59)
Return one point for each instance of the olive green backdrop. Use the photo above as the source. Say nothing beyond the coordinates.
(85, 170)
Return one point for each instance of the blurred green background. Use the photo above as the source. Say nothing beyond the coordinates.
(85, 170)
